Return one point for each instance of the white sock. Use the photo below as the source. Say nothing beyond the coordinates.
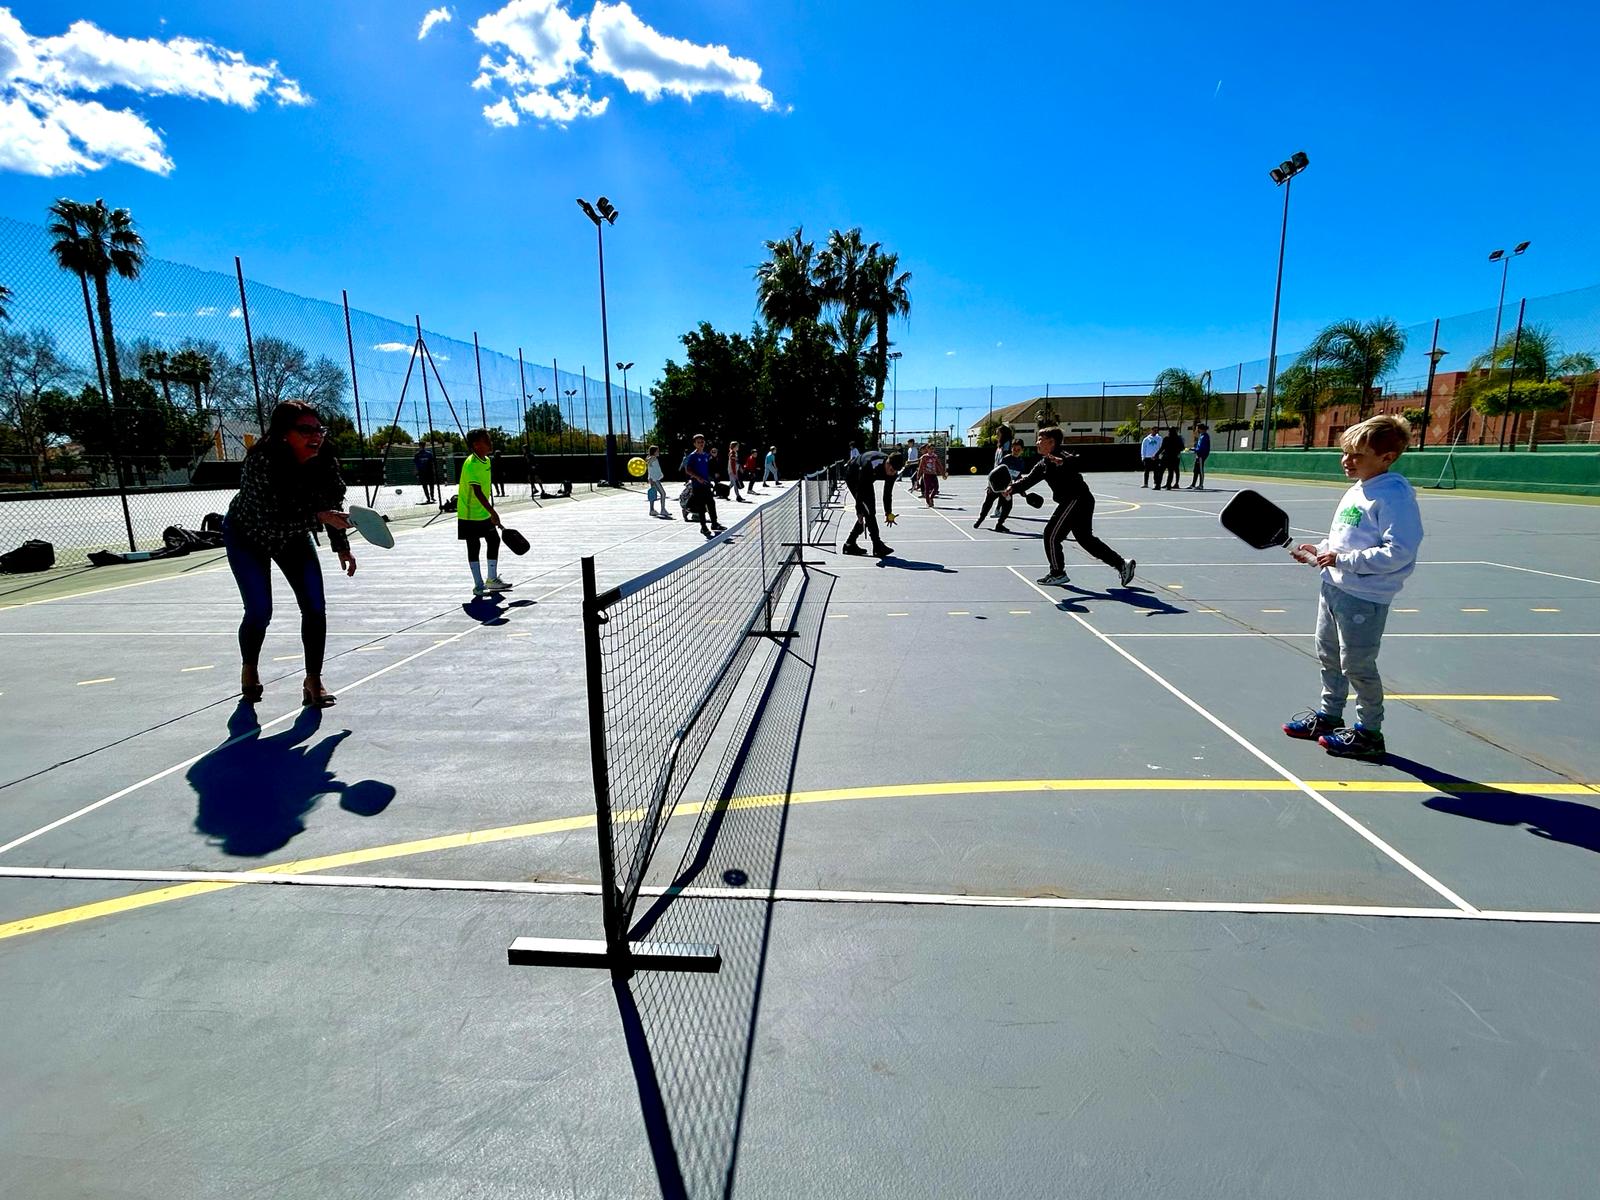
(477, 573)
(494, 568)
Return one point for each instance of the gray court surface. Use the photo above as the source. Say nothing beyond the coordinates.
(1019, 891)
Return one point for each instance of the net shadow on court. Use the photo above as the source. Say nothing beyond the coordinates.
(691, 1036)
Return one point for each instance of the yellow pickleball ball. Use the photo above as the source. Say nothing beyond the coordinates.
(972, 470)
(636, 467)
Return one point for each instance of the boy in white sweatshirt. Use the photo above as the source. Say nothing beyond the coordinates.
(1365, 559)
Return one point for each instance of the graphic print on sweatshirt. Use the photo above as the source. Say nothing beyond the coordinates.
(1350, 516)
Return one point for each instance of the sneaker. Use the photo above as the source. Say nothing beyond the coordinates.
(1365, 744)
(1309, 725)
(1002, 529)
(1055, 580)
(482, 589)
(1126, 574)
(882, 551)
(978, 524)
(719, 529)
(498, 585)
(852, 548)
(708, 534)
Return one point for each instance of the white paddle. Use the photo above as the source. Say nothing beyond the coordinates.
(371, 526)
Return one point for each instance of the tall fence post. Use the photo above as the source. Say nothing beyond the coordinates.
(427, 407)
(369, 490)
(250, 345)
(483, 414)
(611, 914)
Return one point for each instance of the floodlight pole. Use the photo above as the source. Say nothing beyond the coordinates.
(1277, 297)
(627, 409)
(1434, 355)
(1500, 306)
(606, 215)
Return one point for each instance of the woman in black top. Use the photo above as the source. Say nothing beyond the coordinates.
(291, 488)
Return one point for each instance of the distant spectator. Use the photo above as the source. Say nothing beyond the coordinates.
(855, 452)
(770, 472)
(422, 460)
(1149, 449)
(1202, 451)
(736, 472)
(1171, 457)
(750, 471)
(499, 482)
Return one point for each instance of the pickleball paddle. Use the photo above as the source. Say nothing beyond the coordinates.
(371, 526)
(514, 541)
(1257, 521)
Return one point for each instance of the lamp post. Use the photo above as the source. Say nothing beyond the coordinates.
(627, 408)
(569, 394)
(1282, 174)
(602, 213)
(1504, 259)
(894, 357)
(1254, 413)
(1434, 356)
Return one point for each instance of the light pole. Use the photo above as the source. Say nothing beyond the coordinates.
(1501, 257)
(627, 408)
(894, 357)
(1256, 412)
(1282, 174)
(606, 215)
(569, 394)
(1434, 356)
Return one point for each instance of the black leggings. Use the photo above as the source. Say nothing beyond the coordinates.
(490, 535)
(1002, 513)
(1076, 516)
(252, 569)
(866, 512)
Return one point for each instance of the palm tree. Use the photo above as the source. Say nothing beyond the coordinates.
(885, 294)
(786, 288)
(193, 367)
(1303, 390)
(1182, 389)
(1359, 354)
(96, 242)
(838, 269)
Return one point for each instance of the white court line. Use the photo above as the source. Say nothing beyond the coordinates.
(1532, 571)
(288, 716)
(956, 527)
(1386, 636)
(809, 895)
(1267, 759)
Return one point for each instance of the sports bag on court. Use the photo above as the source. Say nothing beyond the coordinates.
(32, 555)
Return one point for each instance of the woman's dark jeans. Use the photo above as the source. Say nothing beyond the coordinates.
(252, 569)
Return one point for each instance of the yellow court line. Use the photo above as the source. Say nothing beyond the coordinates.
(482, 837)
(1465, 696)
(87, 682)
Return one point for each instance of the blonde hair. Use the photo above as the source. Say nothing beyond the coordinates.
(1383, 434)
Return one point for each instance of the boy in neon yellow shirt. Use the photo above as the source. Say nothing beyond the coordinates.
(476, 520)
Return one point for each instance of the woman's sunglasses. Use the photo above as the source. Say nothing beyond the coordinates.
(309, 430)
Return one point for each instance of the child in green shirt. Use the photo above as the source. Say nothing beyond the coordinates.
(476, 520)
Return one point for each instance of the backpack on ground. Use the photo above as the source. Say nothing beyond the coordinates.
(32, 555)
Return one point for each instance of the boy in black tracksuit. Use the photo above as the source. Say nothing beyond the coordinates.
(1074, 510)
(872, 467)
(1007, 469)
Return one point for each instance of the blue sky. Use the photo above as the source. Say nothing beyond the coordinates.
(1080, 192)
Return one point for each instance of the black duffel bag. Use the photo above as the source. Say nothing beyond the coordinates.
(32, 555)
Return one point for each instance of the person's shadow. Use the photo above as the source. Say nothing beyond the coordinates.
(253, 793)
(913, 564)
(491, 609)
(1133, 597)
(1567, 821)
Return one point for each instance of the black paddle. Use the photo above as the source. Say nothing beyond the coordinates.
(1257, 521)
(514, 541)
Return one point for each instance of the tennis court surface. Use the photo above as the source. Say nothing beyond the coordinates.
(1016, 891)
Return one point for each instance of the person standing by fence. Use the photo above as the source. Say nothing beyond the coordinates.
(290, 488)
(769, 473)
(653, 473)
(1202, 451)
(1171, 460)
(422, 460)
(1149, 448)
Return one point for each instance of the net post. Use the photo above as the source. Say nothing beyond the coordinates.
(611, 914)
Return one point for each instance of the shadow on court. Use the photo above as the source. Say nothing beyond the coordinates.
(1131, 596)
(253, 792)
(912, 564)
(691, 1036)
(1568, 821)
(492, 609)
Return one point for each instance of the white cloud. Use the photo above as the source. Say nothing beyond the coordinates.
(48, 128)
(649, 62)
(949, 353)
(395, 347)
(158, 313)
(434, 16)
(210, 310)
(542, 61)
(235, 313)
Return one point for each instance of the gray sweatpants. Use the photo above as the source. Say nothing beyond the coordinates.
(1349, 630)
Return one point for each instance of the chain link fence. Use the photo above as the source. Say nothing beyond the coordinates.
(113, 407)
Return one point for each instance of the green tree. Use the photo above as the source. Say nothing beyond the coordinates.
(1528, 355)
(1303, 390)
(1358, 355)
(94, 243)
(1182, 392)
(786, 287)
(32, 373)
(886, 294)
